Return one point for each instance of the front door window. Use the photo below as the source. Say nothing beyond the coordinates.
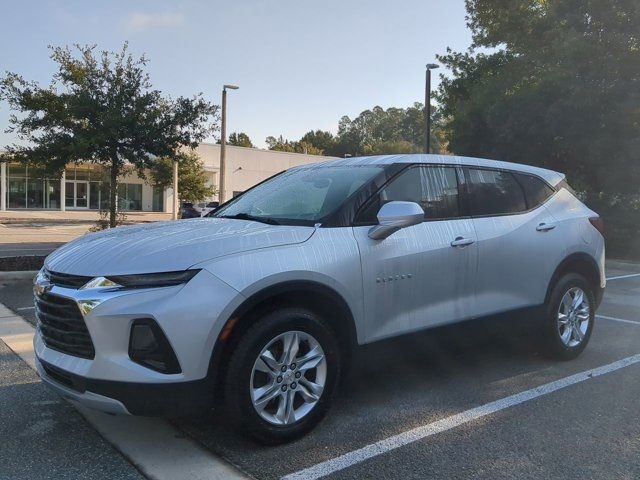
(76, 194)
(81, 194)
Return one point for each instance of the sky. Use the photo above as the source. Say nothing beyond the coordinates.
(300, 65)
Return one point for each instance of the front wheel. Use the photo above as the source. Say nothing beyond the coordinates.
(282, 375)
(570, 317)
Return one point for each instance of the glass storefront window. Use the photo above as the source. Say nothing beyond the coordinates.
(17, 188)
(158, 199)
(130, 196)
(85, 187)
(35, 193)
(52, 197)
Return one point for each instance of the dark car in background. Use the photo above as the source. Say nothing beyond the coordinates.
(187, 210)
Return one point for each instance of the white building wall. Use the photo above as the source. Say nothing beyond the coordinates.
(245, 166)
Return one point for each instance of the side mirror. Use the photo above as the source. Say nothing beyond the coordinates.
(396, 215)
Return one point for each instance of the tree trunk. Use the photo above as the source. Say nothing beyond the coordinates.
(113, 196)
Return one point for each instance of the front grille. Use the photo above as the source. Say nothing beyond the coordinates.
(62, 326)
(66, 280)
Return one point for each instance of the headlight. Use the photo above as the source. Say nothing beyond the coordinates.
(145, 280)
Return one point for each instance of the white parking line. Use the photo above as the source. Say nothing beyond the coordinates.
(153, 445)
(618, 319)
(25, 308)
(383, 446)
(619, 277)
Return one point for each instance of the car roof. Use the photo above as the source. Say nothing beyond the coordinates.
(549, 175)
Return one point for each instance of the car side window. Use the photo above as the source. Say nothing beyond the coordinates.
(435, 189)
(493, 192)
(536, 191)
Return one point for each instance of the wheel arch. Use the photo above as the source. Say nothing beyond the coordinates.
(582, 263)
(306, 293)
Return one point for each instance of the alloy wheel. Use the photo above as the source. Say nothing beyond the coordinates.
(288, 378)
(574, 315)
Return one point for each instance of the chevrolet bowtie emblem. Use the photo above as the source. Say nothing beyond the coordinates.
(42, 284)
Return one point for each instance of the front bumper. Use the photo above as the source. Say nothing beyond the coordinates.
(191, 316)
(127, 398)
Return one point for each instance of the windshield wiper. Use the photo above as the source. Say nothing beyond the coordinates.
(246, 216)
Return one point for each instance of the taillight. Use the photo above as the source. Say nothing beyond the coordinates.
(598, 223)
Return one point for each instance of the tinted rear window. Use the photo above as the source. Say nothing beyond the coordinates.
(493, 192)
(535, 190)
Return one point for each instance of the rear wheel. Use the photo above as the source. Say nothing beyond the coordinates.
(570, 317)
(282, 375)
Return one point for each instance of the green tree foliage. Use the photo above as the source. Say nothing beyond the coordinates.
(240, 140)
(372, 132)
(394, 130)
(552, 83)
(282, 145)
(192, 186)
(100, 108)
(322, 140)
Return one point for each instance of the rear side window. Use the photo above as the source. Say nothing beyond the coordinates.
(435, 189)
(493, 192)
(535, 190)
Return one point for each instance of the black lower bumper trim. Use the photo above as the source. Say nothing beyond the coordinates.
(148, 399)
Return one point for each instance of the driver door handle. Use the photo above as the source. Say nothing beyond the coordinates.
(545, 227)
(462, 242)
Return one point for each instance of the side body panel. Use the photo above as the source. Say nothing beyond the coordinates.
(415, 279)
(330, 258)
(516, 260)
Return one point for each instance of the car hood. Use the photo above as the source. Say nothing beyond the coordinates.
(168, 246)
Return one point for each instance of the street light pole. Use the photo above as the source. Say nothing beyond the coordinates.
(427, 108)
(223, 143)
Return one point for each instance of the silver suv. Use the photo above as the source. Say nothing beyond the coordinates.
(261, 304)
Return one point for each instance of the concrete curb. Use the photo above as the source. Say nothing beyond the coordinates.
(18, 275)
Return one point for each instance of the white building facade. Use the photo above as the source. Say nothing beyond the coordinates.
(85, 186)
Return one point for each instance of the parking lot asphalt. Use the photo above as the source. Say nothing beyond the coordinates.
(588, 429)
(42, 436)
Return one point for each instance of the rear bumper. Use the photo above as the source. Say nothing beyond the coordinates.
(128, 398)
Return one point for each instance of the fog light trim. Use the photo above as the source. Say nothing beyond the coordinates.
(149, 347)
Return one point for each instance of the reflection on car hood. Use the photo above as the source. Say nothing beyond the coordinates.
(167, 246)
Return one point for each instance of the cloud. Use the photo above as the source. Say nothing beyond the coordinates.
(146, 21)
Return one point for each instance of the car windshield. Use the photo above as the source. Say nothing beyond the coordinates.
(299, 196)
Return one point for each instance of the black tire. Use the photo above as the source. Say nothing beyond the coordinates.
(238, 400)
(552, 343)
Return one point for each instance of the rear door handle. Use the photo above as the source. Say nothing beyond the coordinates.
(462, 242)
(545, 227)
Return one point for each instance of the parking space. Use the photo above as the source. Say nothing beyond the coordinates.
(587, 429)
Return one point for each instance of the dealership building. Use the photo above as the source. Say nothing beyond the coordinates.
(85, 186)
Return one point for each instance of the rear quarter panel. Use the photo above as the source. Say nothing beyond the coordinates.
(574, 232)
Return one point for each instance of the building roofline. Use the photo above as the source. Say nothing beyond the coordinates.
(264, 150)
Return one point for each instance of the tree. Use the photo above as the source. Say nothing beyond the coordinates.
(372, 132)
(551, 83)
(322, 140)
(390, 147)
(240, 140)
(192, 186)
(394, 130)
(282, 145)
(100, 108)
